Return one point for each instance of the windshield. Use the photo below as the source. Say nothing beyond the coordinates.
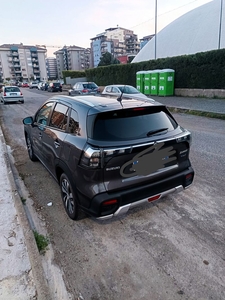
(130, 124)
(128, 89)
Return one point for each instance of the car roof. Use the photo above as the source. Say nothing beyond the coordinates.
(9, 86)
(106, 103)
(120, 85)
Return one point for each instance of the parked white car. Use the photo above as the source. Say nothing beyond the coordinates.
(33, 85)
(126, 90)
(11, 94)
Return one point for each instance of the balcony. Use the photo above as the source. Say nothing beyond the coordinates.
(35, 55)
(15, 60)
(9, 54)
(36, 71)
(12, 71)
(15, 54)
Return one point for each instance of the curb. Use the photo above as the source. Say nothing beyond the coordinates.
(33, 253)
(200, 113)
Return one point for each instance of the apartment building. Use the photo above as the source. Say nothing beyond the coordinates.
(22, 62)
(51, 67)
(72, 58)
(145, 40)
(118, 41)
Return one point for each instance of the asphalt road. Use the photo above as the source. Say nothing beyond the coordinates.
(170, 249)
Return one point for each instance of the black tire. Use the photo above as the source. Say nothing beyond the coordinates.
(68, 197)
(30, 151)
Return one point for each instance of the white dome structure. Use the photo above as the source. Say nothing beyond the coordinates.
(195, 31)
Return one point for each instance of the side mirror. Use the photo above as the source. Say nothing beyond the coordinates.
(28, 121)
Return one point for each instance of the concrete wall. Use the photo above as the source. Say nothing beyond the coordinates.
(207, 93)
(72, 81)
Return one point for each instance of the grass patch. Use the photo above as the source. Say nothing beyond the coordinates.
(22, 176)
(41, 240)
(198, 113)
(23, 200)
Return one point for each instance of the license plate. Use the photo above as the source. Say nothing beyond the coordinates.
(13, 94)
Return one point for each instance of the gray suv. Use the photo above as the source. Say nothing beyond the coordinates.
(109, 154)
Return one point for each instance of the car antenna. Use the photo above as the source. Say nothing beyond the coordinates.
(120, 97)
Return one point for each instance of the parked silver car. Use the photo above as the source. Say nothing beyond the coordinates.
(11, 94)
(84, 88)
(126, 90)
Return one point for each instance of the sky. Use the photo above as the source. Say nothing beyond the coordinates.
(56, 23)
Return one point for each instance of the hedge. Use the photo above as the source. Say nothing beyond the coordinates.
(204, 70)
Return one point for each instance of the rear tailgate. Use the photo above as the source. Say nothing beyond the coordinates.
(141, 164)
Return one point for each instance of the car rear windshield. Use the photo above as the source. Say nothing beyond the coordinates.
(90, 86)
(12, 90)
(130, 124)
(56, 83)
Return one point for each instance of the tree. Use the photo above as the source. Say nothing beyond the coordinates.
(108, 59)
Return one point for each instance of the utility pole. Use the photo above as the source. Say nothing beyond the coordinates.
(155, 27)
(220, 25)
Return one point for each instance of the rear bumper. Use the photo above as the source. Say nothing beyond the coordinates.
(12, 99)
(124, 209)
(138, 195)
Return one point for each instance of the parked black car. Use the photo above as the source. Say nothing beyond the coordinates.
(55, 87)
(84, 88)
(109, 154)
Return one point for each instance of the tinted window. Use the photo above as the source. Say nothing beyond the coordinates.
(59, 117)
(74, 123)
(90, 86)
(56, 83)
(130, 124)
(43, 114)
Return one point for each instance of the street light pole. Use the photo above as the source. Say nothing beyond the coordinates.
(220, 25)
(155, 25)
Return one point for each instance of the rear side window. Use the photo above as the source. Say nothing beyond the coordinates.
(74, 123)
(59, 117)
(130, 124)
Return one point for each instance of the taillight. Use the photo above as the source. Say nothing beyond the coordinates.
(110, 202)
(5, 94)
(21, 93)
(188, 179)
(91, 158)
(97, 158)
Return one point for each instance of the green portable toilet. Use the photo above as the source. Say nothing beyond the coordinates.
(147, 82)
(140, 81)
(154, 82)
(166, 82)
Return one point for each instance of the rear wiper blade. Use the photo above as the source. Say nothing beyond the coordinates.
(156, 131)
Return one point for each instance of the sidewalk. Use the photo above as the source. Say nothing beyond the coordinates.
(198, 104)
(21, 275)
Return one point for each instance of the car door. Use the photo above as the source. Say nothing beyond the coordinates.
(39, 127)
(54, 136)
(115, 91)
